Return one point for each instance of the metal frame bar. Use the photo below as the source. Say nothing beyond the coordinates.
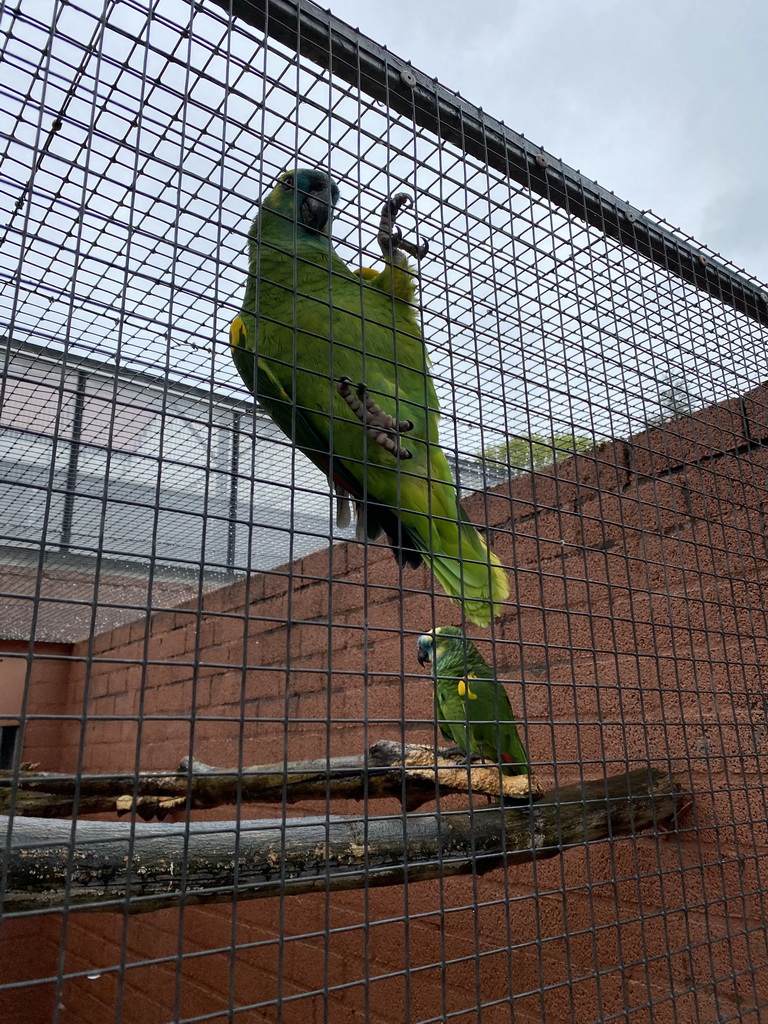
(361, 62)
(68, 515)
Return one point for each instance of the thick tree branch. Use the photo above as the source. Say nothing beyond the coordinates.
(411, 772)
(140, 867)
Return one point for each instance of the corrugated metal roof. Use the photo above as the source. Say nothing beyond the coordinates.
(149, 485)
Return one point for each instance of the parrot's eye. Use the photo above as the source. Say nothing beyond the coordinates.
(287, 183)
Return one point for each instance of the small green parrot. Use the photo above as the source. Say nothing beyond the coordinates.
(315, 342)
(473, 710)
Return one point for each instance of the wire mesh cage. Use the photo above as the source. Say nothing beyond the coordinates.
(236, 782)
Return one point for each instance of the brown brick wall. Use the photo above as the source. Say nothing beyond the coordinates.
(48, 681)
(29, 947)
(637, 633)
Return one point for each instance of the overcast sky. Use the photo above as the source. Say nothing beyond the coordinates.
(662, 101)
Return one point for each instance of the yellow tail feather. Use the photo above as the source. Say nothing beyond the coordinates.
(479, 586)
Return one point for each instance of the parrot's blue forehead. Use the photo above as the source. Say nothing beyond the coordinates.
(307, 179)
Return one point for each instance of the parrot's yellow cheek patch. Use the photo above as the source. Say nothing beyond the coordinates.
(463, 689)
(238, 335)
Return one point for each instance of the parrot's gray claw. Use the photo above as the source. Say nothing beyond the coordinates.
(417, 251)
(453, 751)
(382, 428)
(391, 238)
(450, 751)
(398, 202)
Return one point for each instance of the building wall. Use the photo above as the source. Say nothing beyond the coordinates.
(47, 679)
(29, 947)
(636, 633)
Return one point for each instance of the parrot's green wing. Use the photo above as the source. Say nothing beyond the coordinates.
(467, 692)
(270, 393)
(294, 422)
(492, 729)
(451, 715)
(468, 715)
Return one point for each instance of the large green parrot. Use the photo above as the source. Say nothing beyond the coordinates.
(337, 360)
(473, 710)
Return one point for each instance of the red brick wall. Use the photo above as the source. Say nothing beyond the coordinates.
(48, 680)
(29, 947)
(637, 632)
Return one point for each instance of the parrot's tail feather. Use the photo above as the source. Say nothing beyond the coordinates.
(407, 556)
(476, 580)
(455, 551)
(343, 510)
(518, 765)
(361, 532)
(374, 519)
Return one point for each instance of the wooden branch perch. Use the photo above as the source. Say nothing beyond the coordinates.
(141, 867)
(412, 772)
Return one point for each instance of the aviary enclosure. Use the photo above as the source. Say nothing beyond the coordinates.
(242, 779)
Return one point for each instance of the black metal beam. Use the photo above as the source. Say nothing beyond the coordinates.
(68, 514)
(362, 63)
(234, 469)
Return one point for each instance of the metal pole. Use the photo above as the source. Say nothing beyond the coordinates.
(74, 455)
(234, 466)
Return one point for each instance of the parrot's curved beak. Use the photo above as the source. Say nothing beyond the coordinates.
(315, 209)
(423, 656)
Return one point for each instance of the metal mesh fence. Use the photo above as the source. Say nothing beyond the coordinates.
(179, 590)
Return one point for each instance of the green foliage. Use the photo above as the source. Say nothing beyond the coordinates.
(535, 451)
(675, 400)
